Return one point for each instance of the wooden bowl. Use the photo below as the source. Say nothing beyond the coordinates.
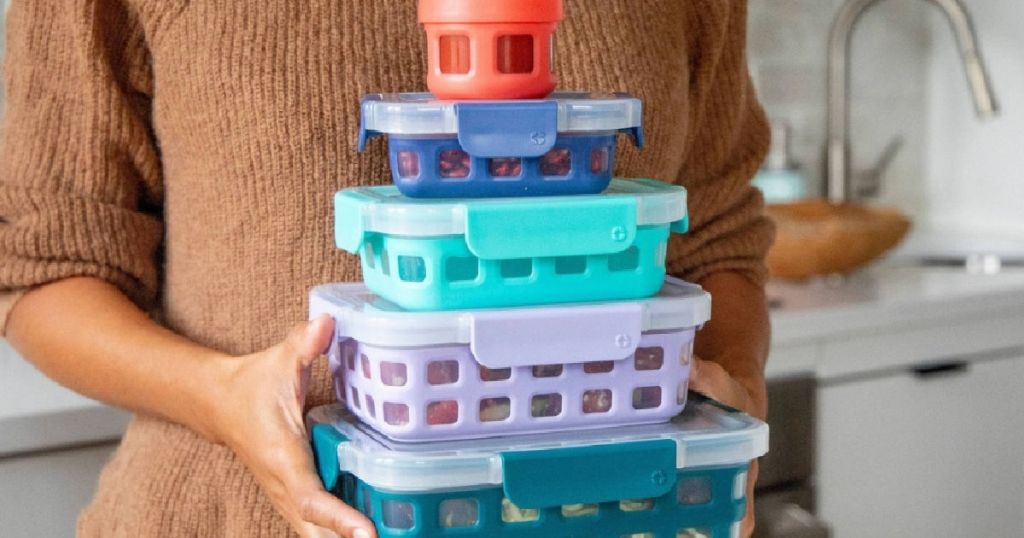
(816, 237)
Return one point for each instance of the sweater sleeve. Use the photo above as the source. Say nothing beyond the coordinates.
(728, 138)
(80, 181)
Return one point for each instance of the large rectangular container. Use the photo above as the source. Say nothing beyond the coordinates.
(683, 479)
(502, 252)
(445, 149)
(422, 376)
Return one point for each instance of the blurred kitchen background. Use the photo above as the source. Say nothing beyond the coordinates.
(894, 387)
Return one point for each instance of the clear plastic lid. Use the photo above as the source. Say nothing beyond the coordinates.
(704, 435)
(411, 114)
(625, 205)
(361, 315)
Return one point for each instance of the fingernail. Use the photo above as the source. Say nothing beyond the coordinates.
(361, 533)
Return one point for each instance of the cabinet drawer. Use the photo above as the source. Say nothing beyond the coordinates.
(924, 452)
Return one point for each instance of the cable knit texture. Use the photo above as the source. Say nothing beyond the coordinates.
(187, 151)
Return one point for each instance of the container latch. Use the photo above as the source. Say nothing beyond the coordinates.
(556, 335)
(326, 441)
(590, 474)
(555, 226)
(507, 129)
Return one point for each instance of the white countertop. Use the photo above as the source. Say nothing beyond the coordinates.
(885, 295)
(884, 299)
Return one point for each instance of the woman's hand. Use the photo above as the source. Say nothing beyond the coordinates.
(711, 380)
(259, 415)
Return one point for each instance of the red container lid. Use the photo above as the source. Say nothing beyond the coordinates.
(490, 11)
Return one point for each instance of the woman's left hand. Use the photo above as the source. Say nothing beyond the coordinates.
(711, 380)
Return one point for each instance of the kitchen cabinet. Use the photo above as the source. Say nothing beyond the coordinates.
(933, 451)
(42, 493)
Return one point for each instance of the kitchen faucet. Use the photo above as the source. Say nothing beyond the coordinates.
(838, 169)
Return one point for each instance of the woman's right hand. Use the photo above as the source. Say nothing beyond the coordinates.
(259, 415)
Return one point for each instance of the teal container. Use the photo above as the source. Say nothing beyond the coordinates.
(684, 479)
(501, 252)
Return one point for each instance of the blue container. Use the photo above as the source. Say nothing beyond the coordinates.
(684, 479)
(503, 252)
(444, 149)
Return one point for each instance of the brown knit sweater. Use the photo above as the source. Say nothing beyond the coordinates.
(187, 151)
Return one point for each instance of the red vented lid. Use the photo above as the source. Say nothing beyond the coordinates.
(490, 11)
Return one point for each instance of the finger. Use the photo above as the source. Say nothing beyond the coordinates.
(309, 530)
(316, 506)
(324, 510)
(711, 380)
(749, 521)
(309, 340)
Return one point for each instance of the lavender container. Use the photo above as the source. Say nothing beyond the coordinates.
(429, 376)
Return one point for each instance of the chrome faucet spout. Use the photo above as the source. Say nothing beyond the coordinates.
(837, 156)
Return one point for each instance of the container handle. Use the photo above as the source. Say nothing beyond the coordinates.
(590, 474)
(326, 441)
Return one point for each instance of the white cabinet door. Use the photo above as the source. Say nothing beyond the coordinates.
(41, 495)
(910, 456)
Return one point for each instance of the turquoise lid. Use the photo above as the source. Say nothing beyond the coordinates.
(505, 228)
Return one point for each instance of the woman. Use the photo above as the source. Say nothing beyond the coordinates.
(165, 183)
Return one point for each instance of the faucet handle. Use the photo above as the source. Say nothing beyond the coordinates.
(869, 182)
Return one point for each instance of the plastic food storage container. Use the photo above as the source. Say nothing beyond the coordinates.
(423, 376)
(493, 49)
(562, 145)
(500, 252)
(683, 479)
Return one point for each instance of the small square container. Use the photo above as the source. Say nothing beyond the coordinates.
(493, 49)
(502, 252)
(444, 149)
(426, 376)
(682, 479)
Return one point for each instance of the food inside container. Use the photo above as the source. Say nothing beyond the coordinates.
(443, 149)
(424, 376)
(684, 479)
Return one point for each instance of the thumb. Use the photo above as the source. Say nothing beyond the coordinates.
(309, 340)
(711, 380)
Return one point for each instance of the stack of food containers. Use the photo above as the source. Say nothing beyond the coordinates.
(512, 287)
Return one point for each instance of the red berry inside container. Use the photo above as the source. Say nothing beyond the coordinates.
(505, 167)
(443, 372)
(597, 401)
(408, 164)
(446, 412)
(364, 362)
(393, 374)
(599, 161)
(396, 414)
(649, 358)
(599, 367)
(556, 163)
(453, 163)
(498, 374)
